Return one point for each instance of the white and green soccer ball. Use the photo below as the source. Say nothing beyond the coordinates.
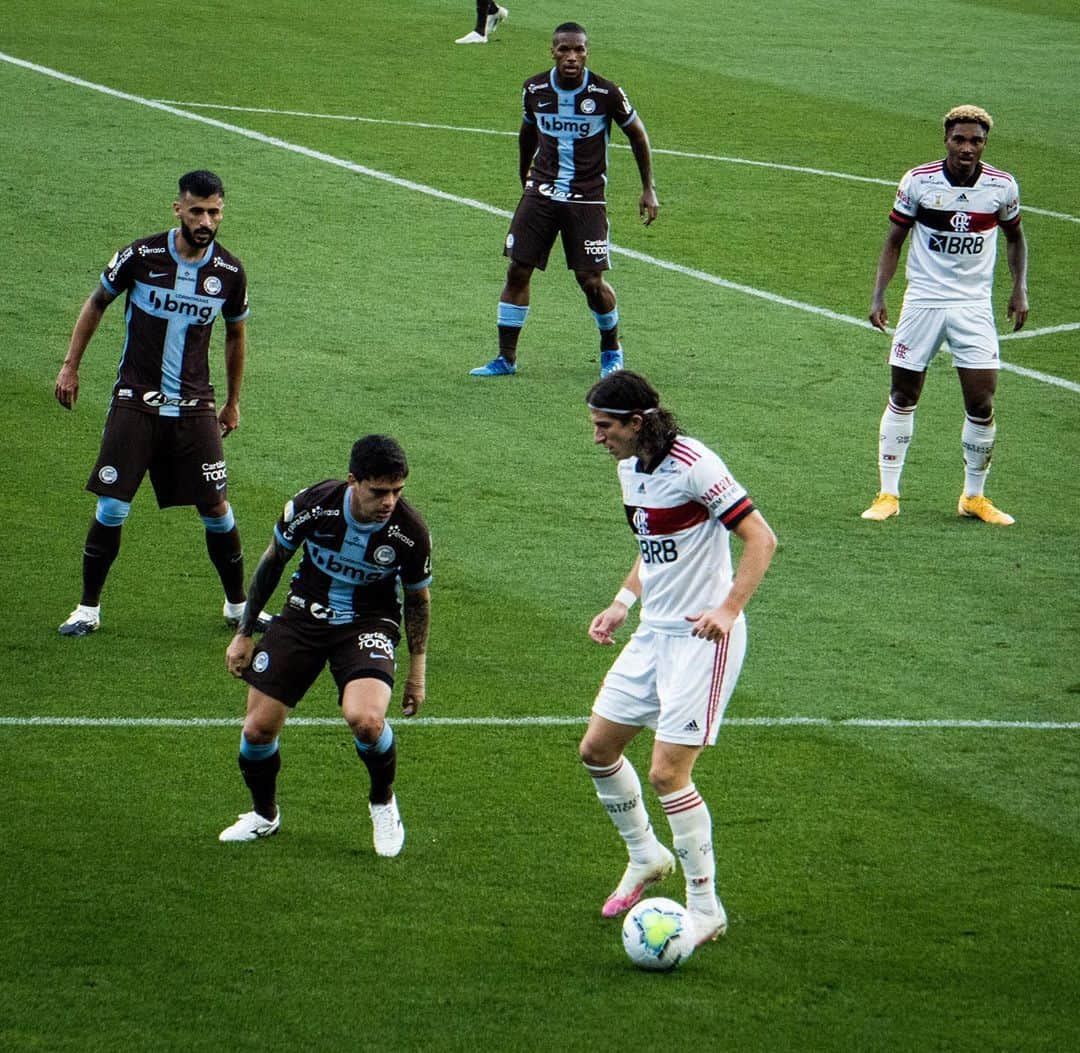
(657, 934)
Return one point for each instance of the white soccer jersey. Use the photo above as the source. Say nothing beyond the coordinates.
(680, 514)
(954, 241)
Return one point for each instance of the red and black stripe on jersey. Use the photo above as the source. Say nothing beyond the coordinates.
(659, 522)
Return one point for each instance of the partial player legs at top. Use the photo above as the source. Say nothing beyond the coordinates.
(489, 15)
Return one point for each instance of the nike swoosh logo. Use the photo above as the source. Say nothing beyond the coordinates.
(159, 274)
(220, 486)
(384, 657)
(539, 104)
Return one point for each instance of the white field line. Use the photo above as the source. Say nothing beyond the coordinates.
(876, 723)
(804, 170)
(442, 195)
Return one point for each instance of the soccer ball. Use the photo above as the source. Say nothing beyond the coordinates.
(657, 934)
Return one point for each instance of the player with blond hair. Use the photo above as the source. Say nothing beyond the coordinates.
(954, 207)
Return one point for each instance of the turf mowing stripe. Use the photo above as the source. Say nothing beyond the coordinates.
(776, 165)
(442, 195)
(884, 723)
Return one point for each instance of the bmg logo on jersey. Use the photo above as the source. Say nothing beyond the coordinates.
(550, 124)
(956, 244)
(180, 306)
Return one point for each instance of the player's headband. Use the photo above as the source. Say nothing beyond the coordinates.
(622, 412)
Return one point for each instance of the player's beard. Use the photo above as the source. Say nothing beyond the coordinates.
(204, 236)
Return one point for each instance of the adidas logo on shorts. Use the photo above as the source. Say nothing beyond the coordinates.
(691, 726)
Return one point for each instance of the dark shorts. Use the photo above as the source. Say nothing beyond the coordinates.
(538, 221)
(183, 455)
(296, 647)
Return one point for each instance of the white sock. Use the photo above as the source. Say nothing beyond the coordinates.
(691, 829)
(977, 437)
(897, 428)
(619, 790)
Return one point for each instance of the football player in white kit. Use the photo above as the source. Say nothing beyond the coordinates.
(679, 668)
(954, 207)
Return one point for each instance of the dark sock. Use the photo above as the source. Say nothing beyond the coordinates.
(261, 778)
(102, 545)
(228, 559)
(381, 767)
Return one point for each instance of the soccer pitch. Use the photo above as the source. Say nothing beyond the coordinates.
(894, 793)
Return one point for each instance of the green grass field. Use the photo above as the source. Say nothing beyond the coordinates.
(911, 884)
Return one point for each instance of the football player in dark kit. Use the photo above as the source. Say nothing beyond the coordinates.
(562, 151)
(362, 544)
(163, 417)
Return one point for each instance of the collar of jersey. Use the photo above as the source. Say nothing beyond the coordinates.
(352, 522)
(207, 256)
(949, 179)
(561, 92)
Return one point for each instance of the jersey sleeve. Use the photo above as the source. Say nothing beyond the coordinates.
(905, 207)
(526, 113)
(235, 308)
(291, 529)
(118, 275)
(623, 112)
(1009, 213)
(715, 487)
(416, 568)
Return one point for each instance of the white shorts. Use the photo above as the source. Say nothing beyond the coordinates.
(677, 685)
(968, 332)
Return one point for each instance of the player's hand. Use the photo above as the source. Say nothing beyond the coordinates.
(1018, 309)
(238, 654)
(713, 624)
(413, 697)
(229, 418)
(602, 628)
(67, 386)
(879, 314)
(648, 206)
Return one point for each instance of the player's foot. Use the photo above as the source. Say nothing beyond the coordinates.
(233, 612)
(82, 621)
(472, 37)
(635, 880)
(497, 367)
(979, 507)
(708, 925)
(610, 362)
(251, 827)
(389, 834)
(493, 20)
(884, 506)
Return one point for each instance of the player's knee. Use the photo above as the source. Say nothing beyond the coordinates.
(664, 779)
(979, 409)
(597, 754)
(518, 276)
(218, 523)
(591, 282)
(258, 734)
(111, 512)
(367, 727)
